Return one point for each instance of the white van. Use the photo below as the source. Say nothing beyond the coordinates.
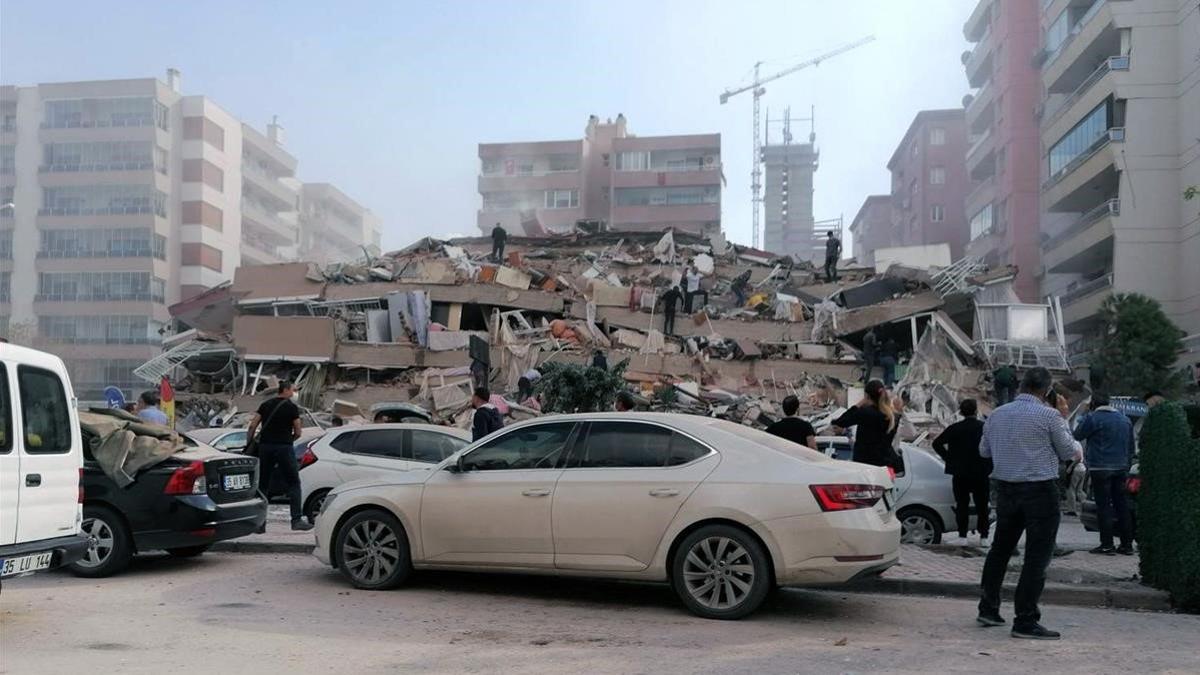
(41, 459)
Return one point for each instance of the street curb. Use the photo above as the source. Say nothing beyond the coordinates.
(1054, 594)
(261, 547)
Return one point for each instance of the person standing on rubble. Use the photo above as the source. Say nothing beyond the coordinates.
(739, 286)
(599, 360)
(280, 421)
(833, 252)
(875, 422)
(888, 360)
(669, 301)
(499, 239)
(793, 428)
(958, 445)
(870, 354)
(1025, 440)
(486, 418)
(1004, 380)
(692, 289)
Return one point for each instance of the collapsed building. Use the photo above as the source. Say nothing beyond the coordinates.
(406, 327)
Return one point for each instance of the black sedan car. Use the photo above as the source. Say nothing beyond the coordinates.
(182, 505)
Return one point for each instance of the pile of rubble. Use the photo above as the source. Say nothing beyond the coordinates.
(424, 323)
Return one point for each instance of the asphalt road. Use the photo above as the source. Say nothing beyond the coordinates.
(288, 614)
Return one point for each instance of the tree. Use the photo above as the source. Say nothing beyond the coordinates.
(1168, 505)
(571, 387)
(1140, 346)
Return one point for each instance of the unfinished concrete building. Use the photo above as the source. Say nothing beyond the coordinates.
(788, 200)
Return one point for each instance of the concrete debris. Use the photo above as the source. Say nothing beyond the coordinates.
(399, 327)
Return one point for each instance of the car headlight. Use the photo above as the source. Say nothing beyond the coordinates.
(325, 504)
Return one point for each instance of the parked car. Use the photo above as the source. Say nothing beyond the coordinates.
(41, 453)
(234, 440)
(924, 493)
(352, 453)
(198, 496)
(721, 511)
(399, 411)
(221, 438)
(1089, 517)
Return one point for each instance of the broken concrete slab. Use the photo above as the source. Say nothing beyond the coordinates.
(283, 282)
(856, 320)
(298, 339)
(606, 295)
(513, 278)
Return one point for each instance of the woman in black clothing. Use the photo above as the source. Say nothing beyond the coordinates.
(876, 424)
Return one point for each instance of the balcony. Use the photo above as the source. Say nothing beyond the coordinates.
(978, 62)
(977, 24)
(530, 182)
(268, 221)
(982, 194)
(1090, 93)
(1081, 303)
(981, 156)
(1092, 172)
(258, 251)
(623, 216)
(980, 111)
(266, 182)
(1085, 244)
(664, 176)
(528, 221)
(1092, 38)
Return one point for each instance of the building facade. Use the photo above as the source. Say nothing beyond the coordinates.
(334, 227)
(1120, 125)
(630, 182)
(1003, 155)
(121, 197)
(929, 182)
(872, 228)
(788, 201)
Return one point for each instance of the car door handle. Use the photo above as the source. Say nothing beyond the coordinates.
(664, 492)
(33, 479)
(536, 493)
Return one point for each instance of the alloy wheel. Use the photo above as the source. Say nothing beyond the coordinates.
(718, 572)
(371, 551)
(917, 530)
(100, 542)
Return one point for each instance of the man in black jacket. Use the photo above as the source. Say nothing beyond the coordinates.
(499, 239)
(486, 419)
(958, 445)
(670, 300)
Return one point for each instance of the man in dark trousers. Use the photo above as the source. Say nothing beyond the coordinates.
(888, 360)
(793, 428)
(958, 445)
(1026, 440)
(670, 300)
(1004, 381)
(499, 239)
(833, 252)
(486, 418)
(870, 353)
(280, 421)
(739, 286)
(1108, 457)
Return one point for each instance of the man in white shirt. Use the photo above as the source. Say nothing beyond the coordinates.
(692, 289)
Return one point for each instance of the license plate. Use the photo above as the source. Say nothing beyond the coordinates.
(237, 481)
(26, 563)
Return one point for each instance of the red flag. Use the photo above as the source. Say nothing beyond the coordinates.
(166, 398)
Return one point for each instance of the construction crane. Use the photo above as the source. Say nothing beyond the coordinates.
(757, 87)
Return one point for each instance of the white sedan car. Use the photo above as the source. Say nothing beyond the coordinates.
(345, 454)
(721, 511)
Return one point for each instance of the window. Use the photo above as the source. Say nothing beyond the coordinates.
(1080, 140)
(431, 447)
(131, 111)
(344, 442)
(8, 159)
(562, 199)
(525, 167)
(937, 136)
(6, 238)
(937, 175)
(100, 156)
(381, 443)
(534, 447)
(44, 412)
(6, 441)
(490, 167)
(128, 242)
(674, 196)
(914, 149)
(132, 330)
(638, 160)
(560, 163)
(100, 286)
(90, 376)
(684, 450)
(937, 213)
(981, 223)
(100, 200)
(622, 445)
(233, 441)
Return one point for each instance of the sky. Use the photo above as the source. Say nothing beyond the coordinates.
(388, 100)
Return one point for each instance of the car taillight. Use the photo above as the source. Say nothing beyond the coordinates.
(80, 497)
(187, 480)
(1133, 484)
(891, 473)
(308, 458)
(846, 496)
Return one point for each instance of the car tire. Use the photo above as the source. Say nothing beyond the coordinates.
(920, 526)
(313, 506)
(111, 545)
(373, 551)
(730, 562)
(188, 551)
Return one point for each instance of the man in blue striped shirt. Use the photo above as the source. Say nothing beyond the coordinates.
(1025, 439)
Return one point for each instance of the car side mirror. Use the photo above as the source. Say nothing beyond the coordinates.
(458, 466)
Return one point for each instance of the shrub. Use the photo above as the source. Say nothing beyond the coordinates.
(1169, 506)
(570, 387)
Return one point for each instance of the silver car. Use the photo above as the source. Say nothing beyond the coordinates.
(925, 497)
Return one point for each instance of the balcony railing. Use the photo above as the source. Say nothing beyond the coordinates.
(1076, 29)
(526, 174)
(1110, 207)
(1110, 64)
(1114, 135)
(1078, 292)
(98, 297)
(979, 142)
(102, 166)
(102, 211)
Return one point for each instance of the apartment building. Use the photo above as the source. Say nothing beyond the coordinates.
(334, 227)
(630, 182)
(929, 182)
(1003, 156)
(120, 198)
(872, 228)
(788, 201)
(1120, 131)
